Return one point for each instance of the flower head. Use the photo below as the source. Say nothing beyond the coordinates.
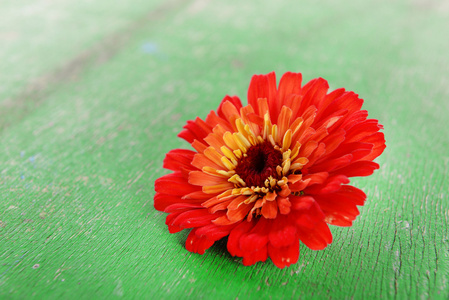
(273, 172)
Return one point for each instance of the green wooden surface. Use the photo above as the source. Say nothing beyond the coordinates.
(94, 93)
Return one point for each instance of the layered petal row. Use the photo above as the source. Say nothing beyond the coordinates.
(272, 173)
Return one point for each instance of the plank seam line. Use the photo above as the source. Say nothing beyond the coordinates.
(41, 87)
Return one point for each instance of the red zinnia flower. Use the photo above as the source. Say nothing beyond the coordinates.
(273, 172)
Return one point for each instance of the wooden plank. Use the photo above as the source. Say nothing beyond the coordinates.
(45, 44)
(77, 170)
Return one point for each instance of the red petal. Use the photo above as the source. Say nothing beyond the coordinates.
(290, 84)
(311, 228)
(179, 158)
(307, 149)
(329, 99)
(236, 202)
(378, 140)
(220, 206)
(212, 202)
(181, 206)
(256, 119)
(284, 205)
(198, 195)
(294, 102)
(282, 233)
(348, 100)
(334, 140)
(314, 93)
(200, 161)
(354, 118)
(174, 184)
(194, 218)
(339, 210)
(309, 115)
(335, 214)
(248, 114)
(317, 238)
(316, 178)
(308, 218)
(303, 135)
(359, 168)
(257, 238)
(284, 256)
(300, 185)
(162, 201)
(213, 120)
(203, 179)
(234, 100)
(214, 232)
(270, 210)
(173, 228)
(235, 235)
(223, 221)
(332, 184)
(301, 202)
(263, 86)
(327, 165)
(199, 146)
(230, 113)
(215, 139)
(361, 130)
(214, 156)
(250, 258)
(239, 213)
(198, 244)
(195, 130)
(283, 121)
(187, 135)
(357, 196)
(357, 149)
(319, 151)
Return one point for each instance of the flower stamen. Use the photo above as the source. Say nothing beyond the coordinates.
(259, 167)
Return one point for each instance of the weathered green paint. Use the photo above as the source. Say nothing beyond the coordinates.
(80, 154)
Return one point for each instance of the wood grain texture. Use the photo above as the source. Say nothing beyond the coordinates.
(77, 170)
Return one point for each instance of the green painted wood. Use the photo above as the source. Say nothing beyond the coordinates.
(77, 170)
(43, 42)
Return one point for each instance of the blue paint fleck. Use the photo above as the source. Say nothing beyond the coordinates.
(153, 49)
(150, 48)
(22, 177)
(31, 159)
(22, 153)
